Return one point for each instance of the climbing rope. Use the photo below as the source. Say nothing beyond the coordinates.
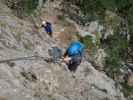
(20, 58)
(55, 57)
(34, 57)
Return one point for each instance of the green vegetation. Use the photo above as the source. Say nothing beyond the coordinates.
(128, 90)
(22, 7)
(130, 98)
(116, 45)
(87, 41)
(91, 43)
(116, 50)
(98, 7)
(95, 9)
(30, 5)
(92, 9)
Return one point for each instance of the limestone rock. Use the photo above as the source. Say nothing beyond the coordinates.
(130, 80)
(39, 80)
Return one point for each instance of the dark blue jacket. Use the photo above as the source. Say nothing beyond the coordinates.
(74, 63)
(48, 27)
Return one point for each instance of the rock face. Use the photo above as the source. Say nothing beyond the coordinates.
(130, 80)
(38, 80)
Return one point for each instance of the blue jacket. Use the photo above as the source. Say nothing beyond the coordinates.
(48, 27)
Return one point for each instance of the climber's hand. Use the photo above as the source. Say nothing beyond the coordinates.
(66, 59)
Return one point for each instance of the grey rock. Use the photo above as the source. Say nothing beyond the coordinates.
(38, 80)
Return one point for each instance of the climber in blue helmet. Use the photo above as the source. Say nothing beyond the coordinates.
(73, 55)
(48, 27)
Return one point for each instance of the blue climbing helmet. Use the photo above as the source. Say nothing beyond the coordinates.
(75, 48)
